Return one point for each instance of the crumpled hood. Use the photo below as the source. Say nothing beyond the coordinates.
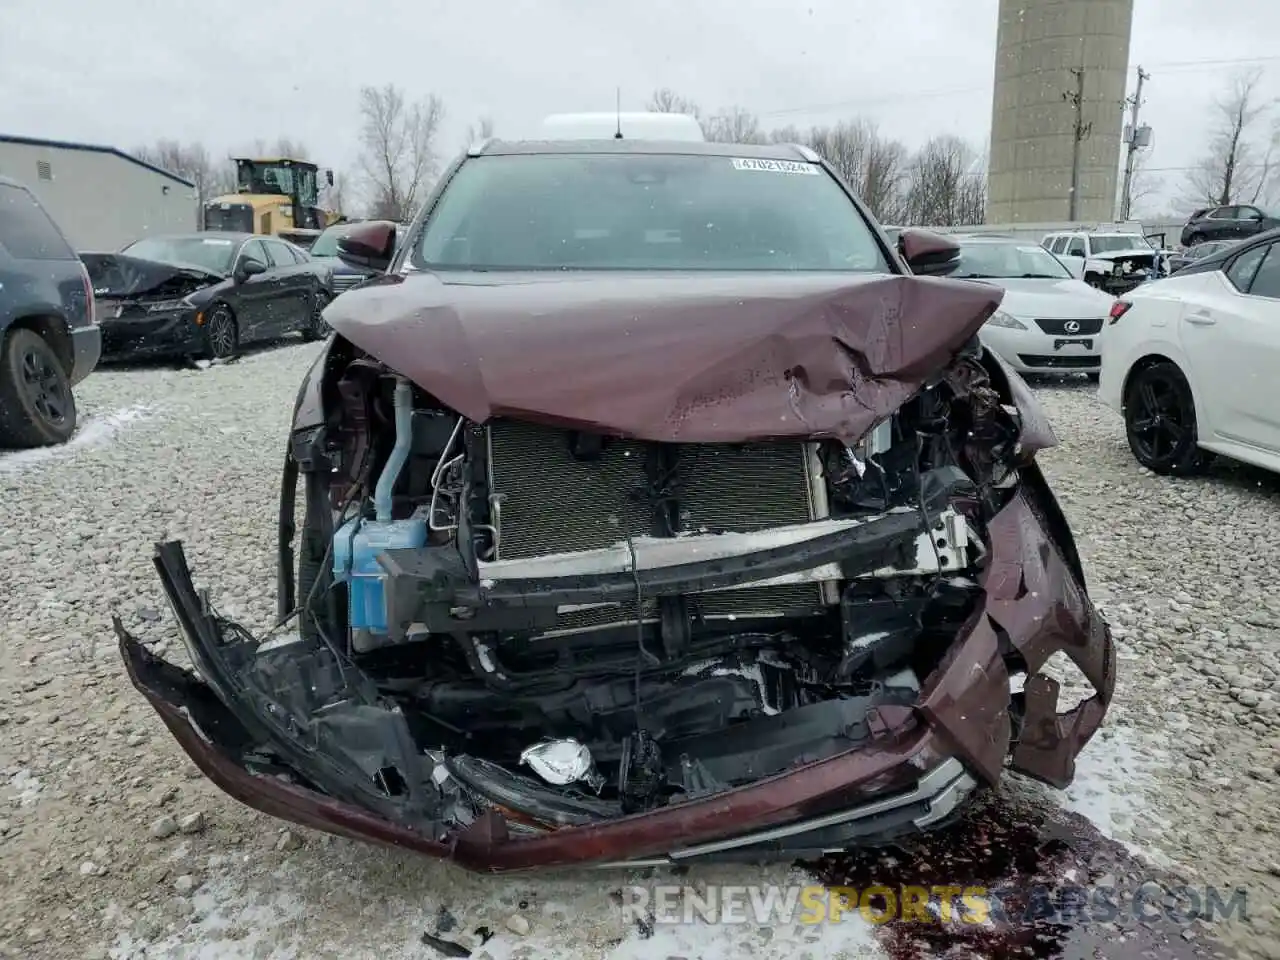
(1124, 254)
(687, 358)
(118, 276)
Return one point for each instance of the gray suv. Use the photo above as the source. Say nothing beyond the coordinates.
(49, 336)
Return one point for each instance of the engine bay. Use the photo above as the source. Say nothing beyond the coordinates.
(491, 582)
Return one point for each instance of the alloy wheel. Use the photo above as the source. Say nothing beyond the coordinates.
(222, 334)
(319, 326)
(45, 387)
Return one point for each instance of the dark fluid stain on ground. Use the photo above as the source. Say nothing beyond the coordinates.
(1036, 864)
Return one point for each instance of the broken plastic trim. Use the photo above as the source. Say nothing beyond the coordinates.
(429, 586)
(941, 791)
(325, 722)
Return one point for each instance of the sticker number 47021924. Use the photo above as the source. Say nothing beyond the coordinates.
(775, 166)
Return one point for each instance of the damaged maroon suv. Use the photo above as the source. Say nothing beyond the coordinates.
(657, 509)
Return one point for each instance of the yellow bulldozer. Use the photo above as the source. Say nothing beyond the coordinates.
(276, 196)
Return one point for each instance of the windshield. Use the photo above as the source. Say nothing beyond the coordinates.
(1109, 243)
(254, 176)
(326, 244)
(645, 212)
(1008, 260)
(210, 253)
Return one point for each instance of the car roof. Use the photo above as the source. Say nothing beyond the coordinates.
(701, 148)
(602, 126)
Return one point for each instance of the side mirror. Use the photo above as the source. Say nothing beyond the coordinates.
(369, 246)
(328, 177)
(928, 254)
(250, 268)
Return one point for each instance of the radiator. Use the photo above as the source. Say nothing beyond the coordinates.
(553, 502)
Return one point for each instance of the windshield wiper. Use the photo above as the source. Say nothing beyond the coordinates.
(1041, 276)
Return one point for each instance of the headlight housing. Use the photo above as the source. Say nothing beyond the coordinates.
(1002, 318)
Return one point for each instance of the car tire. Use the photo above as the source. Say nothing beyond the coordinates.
(37, 407)
(1160, 421)
(221, 333)
(317, 328)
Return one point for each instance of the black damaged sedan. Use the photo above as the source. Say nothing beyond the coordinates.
(204, 295)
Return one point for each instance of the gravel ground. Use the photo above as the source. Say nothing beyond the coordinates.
(112, 845)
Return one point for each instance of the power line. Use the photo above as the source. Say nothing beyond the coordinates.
(1178, 66)
(1230, 61)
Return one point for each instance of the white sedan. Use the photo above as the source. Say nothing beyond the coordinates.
(1048, 322)
(1192, 362)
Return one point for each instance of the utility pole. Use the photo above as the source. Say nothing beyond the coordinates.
(1134, 141)
(1080, 132)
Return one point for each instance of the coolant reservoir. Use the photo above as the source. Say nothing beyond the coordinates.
(356, 549)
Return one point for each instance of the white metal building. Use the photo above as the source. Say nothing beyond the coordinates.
(101, 197)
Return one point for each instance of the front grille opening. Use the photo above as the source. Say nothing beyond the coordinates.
(554, 502)
(1062, 363)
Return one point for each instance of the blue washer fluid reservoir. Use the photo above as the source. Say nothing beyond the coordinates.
(356, 548)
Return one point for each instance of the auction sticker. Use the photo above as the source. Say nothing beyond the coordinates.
(775, 166)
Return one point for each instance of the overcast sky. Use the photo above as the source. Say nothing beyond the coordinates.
(126, 72)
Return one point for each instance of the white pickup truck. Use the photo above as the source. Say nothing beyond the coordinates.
(1114, 262)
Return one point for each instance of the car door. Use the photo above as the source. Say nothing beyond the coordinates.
(1248, 221)
(1075, 255)
(253, 295)
(290, 304)
(1222, 224)
(1231, 333)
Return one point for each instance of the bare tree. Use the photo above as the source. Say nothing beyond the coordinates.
(871, 164)
(1143, 186)
(337, 196)
(788, 134)
(191, 161)
(283, 147)
(733, 125)
(1238, 165)
(481, 130)
(399, 140)
(943, 186)
(292, 149)
(667, 100)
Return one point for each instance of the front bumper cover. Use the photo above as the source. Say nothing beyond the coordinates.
(173, 333)
(919, 764)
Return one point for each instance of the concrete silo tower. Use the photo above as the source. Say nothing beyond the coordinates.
(1051, 55)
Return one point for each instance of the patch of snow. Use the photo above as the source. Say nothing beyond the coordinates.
(226, 927)
(92, 432)
(328, 907)
(26, 788)
(1114, 773)
(851, 938)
